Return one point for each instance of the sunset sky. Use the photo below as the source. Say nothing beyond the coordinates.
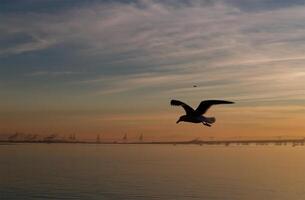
(111, 67)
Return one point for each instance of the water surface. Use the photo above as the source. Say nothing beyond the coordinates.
(82, 171)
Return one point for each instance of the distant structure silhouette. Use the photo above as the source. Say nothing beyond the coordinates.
(196, 116)
(50, 137)
(30, 137)
(125, 137)
(13, 136)
(72, 137)
(98, 139)
(141, 138)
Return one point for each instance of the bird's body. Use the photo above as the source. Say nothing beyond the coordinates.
(196, 116)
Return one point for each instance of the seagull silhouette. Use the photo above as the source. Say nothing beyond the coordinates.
(196, 116)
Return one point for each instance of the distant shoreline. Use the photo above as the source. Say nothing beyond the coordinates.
(293, 142)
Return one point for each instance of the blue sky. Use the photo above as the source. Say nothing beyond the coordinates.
(118, 57)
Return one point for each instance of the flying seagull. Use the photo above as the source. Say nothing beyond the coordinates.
(196, 116)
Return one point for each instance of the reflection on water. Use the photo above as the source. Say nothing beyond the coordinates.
(62, 171)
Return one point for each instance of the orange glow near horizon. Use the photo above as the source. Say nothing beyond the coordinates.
(246, 122)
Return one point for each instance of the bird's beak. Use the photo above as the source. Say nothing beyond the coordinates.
(178, 121)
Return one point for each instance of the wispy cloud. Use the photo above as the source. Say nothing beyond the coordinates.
(170, 46)
(52, 73)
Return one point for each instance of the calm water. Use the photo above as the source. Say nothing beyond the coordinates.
(59, 171)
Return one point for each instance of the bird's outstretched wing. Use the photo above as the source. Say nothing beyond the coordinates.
(188, 109)
(205, 105)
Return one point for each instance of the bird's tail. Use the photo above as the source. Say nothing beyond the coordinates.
(211, 120)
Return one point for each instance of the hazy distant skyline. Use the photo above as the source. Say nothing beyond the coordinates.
(112, 66)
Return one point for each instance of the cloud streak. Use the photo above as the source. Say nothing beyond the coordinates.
(164, 47)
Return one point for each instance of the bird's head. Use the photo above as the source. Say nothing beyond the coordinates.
(181, 119)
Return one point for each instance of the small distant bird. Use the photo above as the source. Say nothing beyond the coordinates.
(196, 116)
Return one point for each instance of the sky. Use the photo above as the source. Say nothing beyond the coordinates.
(112, 67)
